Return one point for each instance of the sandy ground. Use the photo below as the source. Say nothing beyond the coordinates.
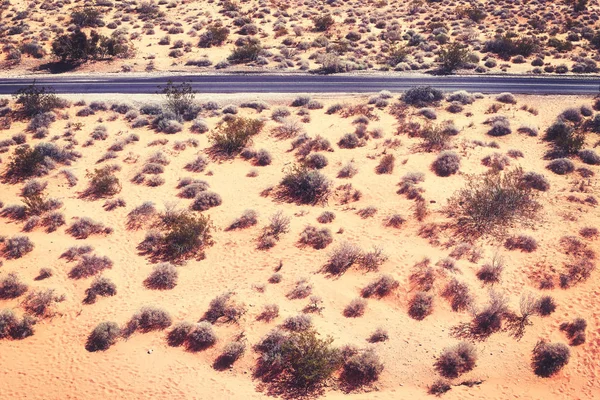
(54, 364)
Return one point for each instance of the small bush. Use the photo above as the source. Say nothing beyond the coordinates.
(500, 127)
(342, 258)
(491, 203)
(522, 242)
(326, 217)
(148, 319)
(103, 183)
(263, 158)
(182, 235)
(386, 165)
(17, 247)
(269, 313)
(299, 323)
(224, 308)
(380, 335)
(380, 287)
(422, 96)
(202, 336)
(490, 272)
(84, 227)
(561, 166)
(41, 303)
(316, 238)
(163, 277)
(420, 306)
(549, 358)
(11, 287)
(589, 157)
(101, 286)
(506, 98)
(232, 135)
(575, 331)
(206, 200)
(447, 163)
(439, 387)
(231, 353)
(349, 141)
(545, 306)
(316, 161)
(302, 290)
(459, 295)
(348, 171)
(536, 181)
(103, 336)
(305, 186)
(362, 368)
(90, 265)
(457, 360)
(248, 218)
(356, 308)
(178, 335)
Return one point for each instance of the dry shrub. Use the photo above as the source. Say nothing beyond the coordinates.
(356, 308)
(524, 243)
(17, 247)
(420, 306)
(380, 335)
(485, 322)
(386, 165)
(224, 308)
(457, 360)
(163, 277)
(247, 219)
(491, 203)
(459, 295)
(101, 286)
(104, 335)
(380, 287)
(315, 237)
(11, 287)
(302, 290)
(41, 302)
(362, 368)
(146, 320)
(549, 358)
(342, 258)
(268, 313)
(84, 227)
(90, 265)
(490, 272)
(575, 331)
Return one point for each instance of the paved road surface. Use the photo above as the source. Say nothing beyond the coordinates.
(286, 83)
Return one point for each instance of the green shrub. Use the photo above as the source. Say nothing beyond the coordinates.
(323, 22)
(308, 359)
(183, 235)
(245, 53)
(103, 183)
(36, 100)
(215, 35)
(232, 135)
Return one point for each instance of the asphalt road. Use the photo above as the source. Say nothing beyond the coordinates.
(291, 83)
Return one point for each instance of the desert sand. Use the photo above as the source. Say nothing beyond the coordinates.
(54, 363)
